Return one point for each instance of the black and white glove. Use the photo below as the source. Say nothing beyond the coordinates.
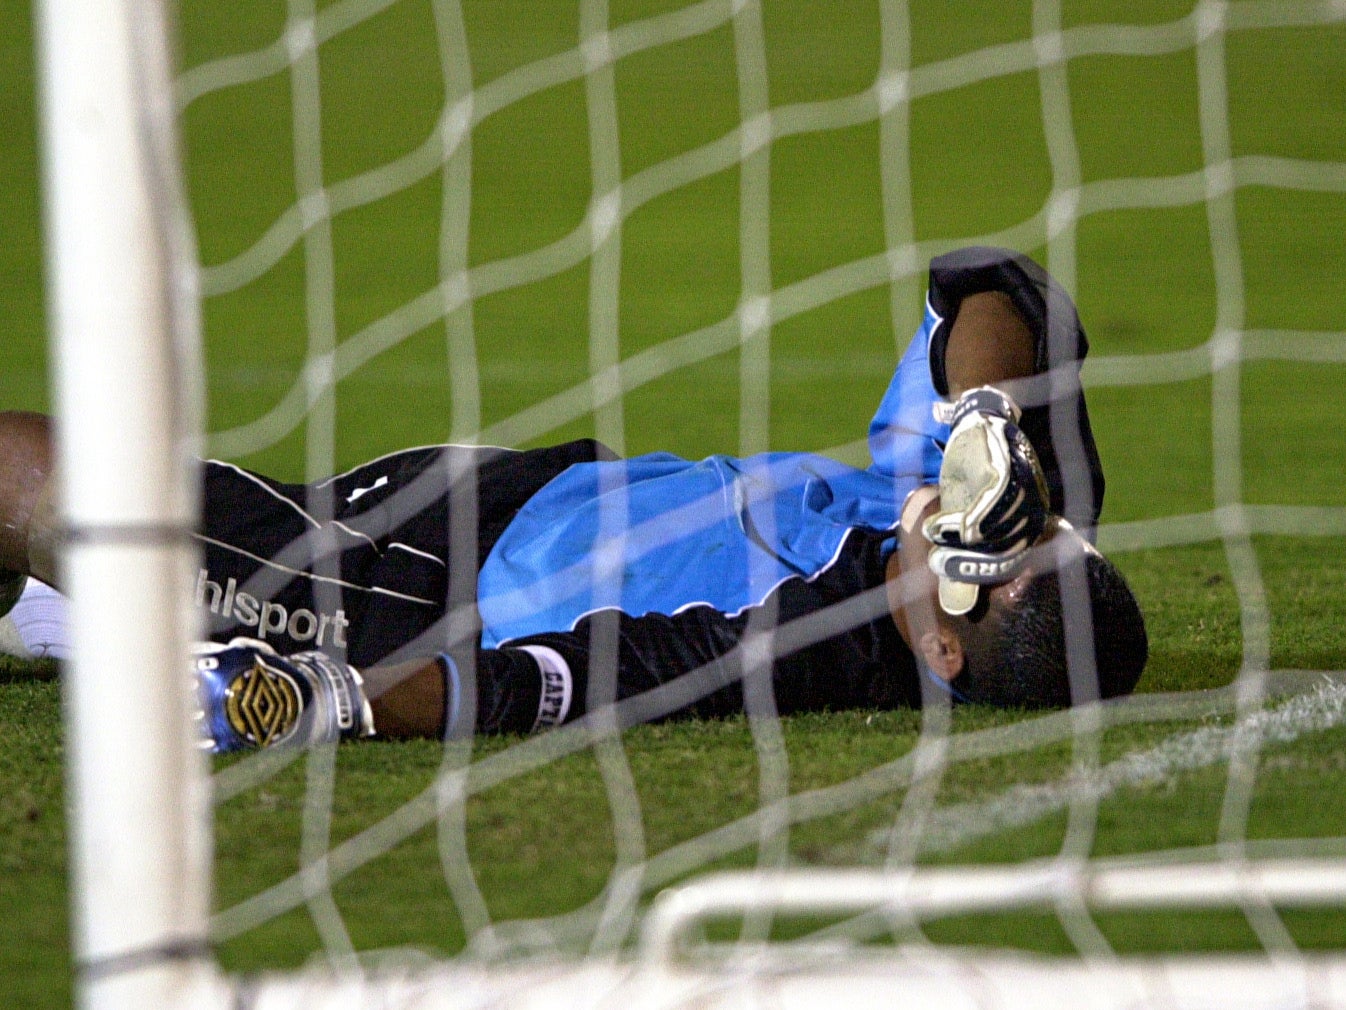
(994, 502)
(252, 697)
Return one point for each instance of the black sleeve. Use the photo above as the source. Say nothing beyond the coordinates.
(833, 646)
(1060, 344)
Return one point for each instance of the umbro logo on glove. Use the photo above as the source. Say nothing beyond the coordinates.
(251, 697)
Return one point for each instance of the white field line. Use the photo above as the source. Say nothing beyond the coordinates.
(1021, 805)
(687, 857)
(1313, 709)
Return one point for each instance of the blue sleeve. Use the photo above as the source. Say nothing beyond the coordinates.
(905, 440)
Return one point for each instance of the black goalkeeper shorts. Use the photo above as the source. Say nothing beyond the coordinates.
(359, 565)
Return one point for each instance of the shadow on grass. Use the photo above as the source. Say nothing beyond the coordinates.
(27, 671)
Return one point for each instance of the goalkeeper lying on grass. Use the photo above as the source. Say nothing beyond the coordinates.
(503, 591)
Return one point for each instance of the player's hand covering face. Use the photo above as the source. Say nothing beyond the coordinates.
(993, 498)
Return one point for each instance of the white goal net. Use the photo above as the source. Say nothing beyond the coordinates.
(513, 224)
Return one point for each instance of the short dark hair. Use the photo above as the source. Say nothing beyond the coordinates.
(1019, 660)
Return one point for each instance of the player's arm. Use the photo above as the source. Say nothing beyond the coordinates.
(250, 697)
(705, 663)
(991, 481)
(28, 524)
(989, 344)
(1003, 321)
(691, 662)
(994, 500)
(542, 681)
(522, 689)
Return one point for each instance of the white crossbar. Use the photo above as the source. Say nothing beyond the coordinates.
(929, 893)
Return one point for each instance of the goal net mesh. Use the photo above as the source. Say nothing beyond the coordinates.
(704, 227)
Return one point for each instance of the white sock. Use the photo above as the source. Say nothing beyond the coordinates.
(37, 627)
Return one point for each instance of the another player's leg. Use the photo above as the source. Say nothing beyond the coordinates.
(27, 504)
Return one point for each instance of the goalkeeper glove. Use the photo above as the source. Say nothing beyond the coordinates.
(251, 697)
(994, 502)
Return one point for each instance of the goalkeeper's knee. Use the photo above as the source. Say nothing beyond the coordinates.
(252, 697)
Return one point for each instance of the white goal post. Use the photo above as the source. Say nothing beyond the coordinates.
(121, 271)
(124, 358)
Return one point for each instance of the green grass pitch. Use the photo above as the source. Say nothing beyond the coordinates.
(541, 844)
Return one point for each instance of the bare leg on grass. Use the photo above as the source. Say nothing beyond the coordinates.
(28, 526)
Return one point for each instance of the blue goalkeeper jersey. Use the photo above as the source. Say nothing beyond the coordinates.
(658, 533)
